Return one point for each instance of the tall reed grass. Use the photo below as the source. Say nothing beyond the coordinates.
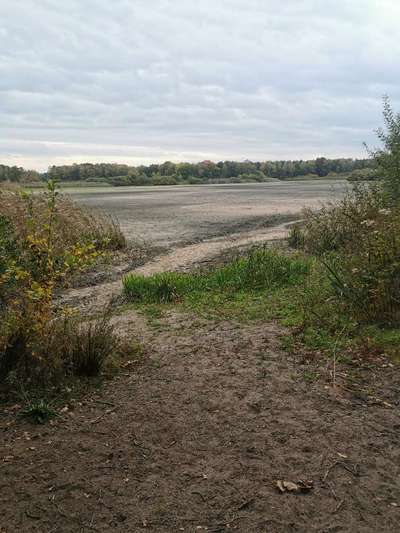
(72, 223)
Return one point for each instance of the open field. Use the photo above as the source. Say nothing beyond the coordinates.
(170, 216)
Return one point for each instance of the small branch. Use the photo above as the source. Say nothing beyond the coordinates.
(107, 412)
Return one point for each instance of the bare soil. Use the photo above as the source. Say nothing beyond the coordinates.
(171, 216)
(196, 437)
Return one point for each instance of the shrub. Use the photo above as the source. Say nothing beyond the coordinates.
(387, 158)
(358, 238)
(71, 223)
(340, 225)
(358, 242)
(43, 238)
(64, 346)
(364, 174)
(296, 237)
(368, 278)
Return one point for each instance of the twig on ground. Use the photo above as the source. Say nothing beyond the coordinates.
(246, 504)
(354, 471)
(105, 403)
(338, 506)
(106, 412)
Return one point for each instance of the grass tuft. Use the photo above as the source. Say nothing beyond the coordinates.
(261, 269)
(38, 412)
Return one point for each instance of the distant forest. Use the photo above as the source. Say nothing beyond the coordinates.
(169, 173)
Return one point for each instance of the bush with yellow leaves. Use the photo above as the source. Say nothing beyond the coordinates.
(41, 243)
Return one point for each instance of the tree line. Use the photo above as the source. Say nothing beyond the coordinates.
(169, 173)
(18, 174)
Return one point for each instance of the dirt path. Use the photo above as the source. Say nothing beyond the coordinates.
(195, 438)
(94, 298)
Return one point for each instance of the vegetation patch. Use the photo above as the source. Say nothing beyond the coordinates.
(340, 293)
(262, 268)
(38, 412)
(44, 238)
(169, 173)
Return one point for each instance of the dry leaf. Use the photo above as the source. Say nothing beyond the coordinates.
(289, 486)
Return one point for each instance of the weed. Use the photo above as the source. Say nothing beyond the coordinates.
(310, 375)
(38, 412)
(288, 343)
(261, 269)
(91, 345)
(296, 237)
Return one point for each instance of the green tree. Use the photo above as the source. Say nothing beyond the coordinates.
(321, 166)
(388, 157)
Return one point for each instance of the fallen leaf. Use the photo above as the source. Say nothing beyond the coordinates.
(300, 486)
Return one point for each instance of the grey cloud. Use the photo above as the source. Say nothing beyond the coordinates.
(151, 80)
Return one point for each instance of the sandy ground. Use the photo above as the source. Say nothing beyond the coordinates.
(175, 216)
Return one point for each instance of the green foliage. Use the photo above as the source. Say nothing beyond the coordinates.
(38, 412)
(343, 224)
(367, 279)
(365, 174)
(296, 237)
(169, 173)
(37, 253)
(16, 174)
(261, 269)
(387, 158)
(358, 241)
(358, 238)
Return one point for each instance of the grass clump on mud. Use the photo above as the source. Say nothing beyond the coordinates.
(261, 269)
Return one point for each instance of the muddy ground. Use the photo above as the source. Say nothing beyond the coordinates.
(171, 216)
(195, 437)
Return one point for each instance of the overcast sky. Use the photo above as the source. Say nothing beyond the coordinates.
(139, 81)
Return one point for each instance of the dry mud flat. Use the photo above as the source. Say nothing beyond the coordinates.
(174, 216)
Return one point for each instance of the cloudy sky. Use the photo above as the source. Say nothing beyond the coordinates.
(138, 81)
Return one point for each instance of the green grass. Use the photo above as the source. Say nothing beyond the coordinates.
(38, 412)
(265, 285)
(261, 269)
(387, 339)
